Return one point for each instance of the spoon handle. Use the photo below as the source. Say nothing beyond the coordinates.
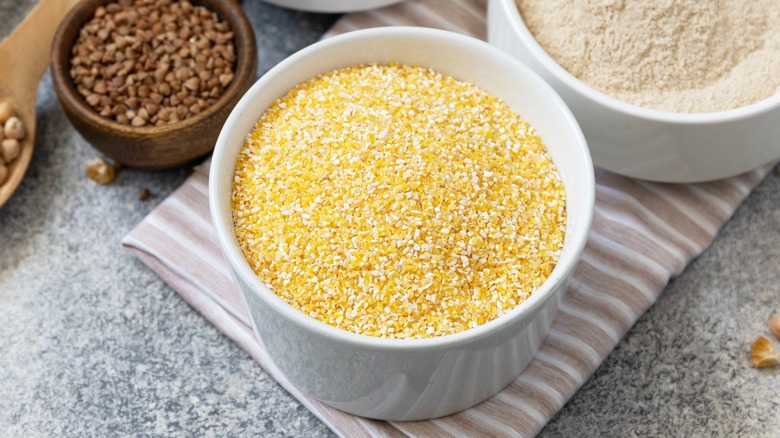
(29, 46)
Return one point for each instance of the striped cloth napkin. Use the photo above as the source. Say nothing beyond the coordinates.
(643, 234)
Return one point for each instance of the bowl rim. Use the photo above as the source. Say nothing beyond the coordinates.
(221, 216)
(227, 10)
(512, 14)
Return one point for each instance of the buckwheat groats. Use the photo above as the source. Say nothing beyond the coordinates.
(152, 62)
(395, 201)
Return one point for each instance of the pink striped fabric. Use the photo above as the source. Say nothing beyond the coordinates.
(643, 234)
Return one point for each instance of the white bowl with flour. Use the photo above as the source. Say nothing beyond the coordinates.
(672, 144)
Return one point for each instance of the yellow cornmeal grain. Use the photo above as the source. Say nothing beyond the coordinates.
(397, 202)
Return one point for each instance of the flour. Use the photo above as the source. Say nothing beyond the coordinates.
(671, 55)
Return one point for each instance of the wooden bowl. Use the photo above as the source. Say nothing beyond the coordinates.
(152, 146)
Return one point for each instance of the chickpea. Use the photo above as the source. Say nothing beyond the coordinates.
(10, 149)
(14, 128)
(100, 171)
(3, 173)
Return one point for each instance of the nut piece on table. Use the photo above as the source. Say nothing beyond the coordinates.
(100, 171)
(763, 354)
(144, 194)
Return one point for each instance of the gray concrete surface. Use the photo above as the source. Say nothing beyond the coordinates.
(92, 343)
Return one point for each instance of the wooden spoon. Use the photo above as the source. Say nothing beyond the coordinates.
(25, 57)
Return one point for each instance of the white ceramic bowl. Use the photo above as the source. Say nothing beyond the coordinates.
(418, 378)
(645, 143)
(332, 6)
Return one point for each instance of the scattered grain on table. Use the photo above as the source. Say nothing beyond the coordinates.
(100, 171)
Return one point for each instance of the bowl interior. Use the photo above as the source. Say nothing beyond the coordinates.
(512, 13)
(459, 56)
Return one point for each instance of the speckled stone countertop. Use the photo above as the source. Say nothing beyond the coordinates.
(93, 343)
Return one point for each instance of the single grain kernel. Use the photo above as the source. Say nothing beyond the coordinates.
(93, 99)
(138, 121)
(394, 201)
(100, 171)
(144, 194)
(763, 353)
